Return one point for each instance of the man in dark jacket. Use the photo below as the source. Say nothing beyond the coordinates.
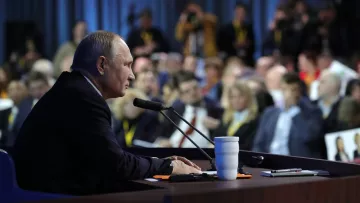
(66, 144)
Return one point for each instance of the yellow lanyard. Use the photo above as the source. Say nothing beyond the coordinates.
(277, 37)
(240, 33)
(234, 127)
(11, 119)
(147, 37)
(129, 133)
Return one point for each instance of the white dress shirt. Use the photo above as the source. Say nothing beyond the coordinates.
(97, 90)
(280, 142)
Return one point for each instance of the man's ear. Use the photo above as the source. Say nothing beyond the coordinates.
(100, 65)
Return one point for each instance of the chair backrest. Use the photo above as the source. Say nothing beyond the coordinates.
(9, 189)
(7, 173)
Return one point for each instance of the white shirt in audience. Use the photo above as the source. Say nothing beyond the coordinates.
(279, 144)
(345, 73)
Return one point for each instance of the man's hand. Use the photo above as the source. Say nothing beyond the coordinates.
(180, 167)
(185, 160)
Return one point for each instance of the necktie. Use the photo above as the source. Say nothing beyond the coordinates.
(190, 130)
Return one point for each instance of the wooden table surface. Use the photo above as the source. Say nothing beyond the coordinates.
(257, 189)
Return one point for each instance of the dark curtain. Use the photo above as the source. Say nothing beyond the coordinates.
(55, 18)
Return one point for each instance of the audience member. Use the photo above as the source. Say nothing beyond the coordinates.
(68, 49)
(197, 31)
(195, 108)
(263, 64)
(133, 123)
(147, 82)
(17, 92)
(279, 128)
(237, 38)
(329, 99)
(212, 87)
(146, 39)
(349, 114)
(353, 89)
(240, 119)
(273, 82)
(45, 67)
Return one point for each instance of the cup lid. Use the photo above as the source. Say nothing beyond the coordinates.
(227, 139)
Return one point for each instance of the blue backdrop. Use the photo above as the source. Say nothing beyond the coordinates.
(55, 18)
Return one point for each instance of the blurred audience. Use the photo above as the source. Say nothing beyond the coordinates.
(197, 31)
(66, 51)
(237, 38)
(133, 125)
(279, 128)
(146, 39)
(240, 118)
(300, 87)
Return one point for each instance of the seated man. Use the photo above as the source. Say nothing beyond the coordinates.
(37, 84)
(196, 109)
(66, 144)
(295, 129)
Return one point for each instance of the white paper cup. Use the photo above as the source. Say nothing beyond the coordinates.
(227, 157)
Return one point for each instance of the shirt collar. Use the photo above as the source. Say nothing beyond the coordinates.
(92, 84)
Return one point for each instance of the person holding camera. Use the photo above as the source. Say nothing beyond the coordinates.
(197, 31)
(279, 41)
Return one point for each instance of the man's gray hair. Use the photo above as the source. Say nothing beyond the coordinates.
(94, 45)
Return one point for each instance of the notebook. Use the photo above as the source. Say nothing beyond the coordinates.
(289, 174)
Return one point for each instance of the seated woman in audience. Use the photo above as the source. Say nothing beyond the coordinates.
(240, 118)
(213, 86)
(231, 73)
(353, 89)
(349, 114)
(133, 123)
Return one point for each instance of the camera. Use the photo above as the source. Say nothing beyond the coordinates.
(191, 17)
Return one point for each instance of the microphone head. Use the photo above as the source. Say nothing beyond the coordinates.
(155, 106)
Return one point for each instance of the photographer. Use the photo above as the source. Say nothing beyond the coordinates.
(279, 39)
(146, 39)
(196, 30)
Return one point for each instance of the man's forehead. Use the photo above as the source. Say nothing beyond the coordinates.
(122, 49)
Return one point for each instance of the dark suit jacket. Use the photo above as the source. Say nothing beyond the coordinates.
(246, 133)
(146, 125)
(331, 123)
(66, 144)
(306, 134)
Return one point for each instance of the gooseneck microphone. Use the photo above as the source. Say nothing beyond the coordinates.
(212, 161)
(187, 122)
(157, 106)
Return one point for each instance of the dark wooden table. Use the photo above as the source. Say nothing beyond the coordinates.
(257, 189)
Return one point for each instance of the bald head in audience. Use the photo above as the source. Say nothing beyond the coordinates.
(263, 64)
(142, 63)
(329, 85)
(273, 77)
